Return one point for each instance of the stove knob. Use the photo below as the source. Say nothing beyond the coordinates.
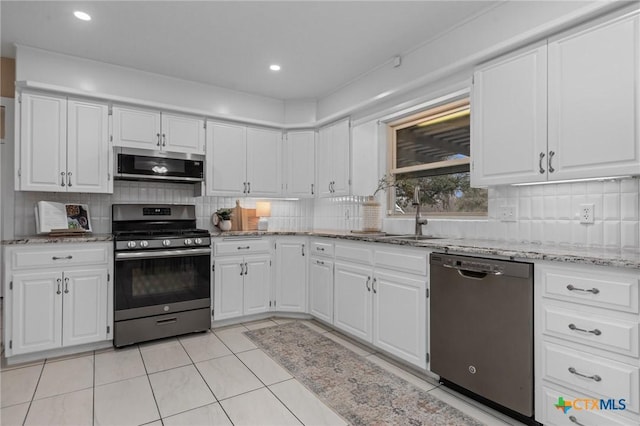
(131, 244)
(144, 244)
(188, 242)
(166, 243)
(198, 241)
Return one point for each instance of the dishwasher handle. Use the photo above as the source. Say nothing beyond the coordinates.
(473, 273)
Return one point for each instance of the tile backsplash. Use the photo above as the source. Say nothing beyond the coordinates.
(544, 214)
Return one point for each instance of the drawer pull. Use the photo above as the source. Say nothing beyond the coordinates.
(588, 290)
(594, 331)
(595, 377)
(244, 248)
(575, 421)
(319, 262)
(167, 321)
(320, 248)
(62, 258)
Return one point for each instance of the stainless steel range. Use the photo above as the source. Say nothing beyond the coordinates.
(162, 279)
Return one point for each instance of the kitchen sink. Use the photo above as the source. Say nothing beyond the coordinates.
(410, 237)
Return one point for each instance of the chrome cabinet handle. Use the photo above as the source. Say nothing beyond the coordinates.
(62, 178)
(320, 248)
(244, 247)
(66, 285)
(246, 268)
(594, 290)
(241, 269)
(248, 187)
(62, 258)
(330, 190)
(367, 284)
(594, 331)
(551, 154)
(575, 421)
(373, 285)
(164, 140)
(58, 281)
(158, 136)
(69, 179)
(595, 377)
(244, 191)
(540, 163)
(319, 262)
(311, 189)
(303, 250)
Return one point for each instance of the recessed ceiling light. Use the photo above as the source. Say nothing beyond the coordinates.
(274, 67)
(83, 16)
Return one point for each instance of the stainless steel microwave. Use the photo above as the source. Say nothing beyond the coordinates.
(135, 164)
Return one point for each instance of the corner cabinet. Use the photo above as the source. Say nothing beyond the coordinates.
(159, 131)
(567, 108)
(333, 159)
(63, 145)
(57, 296)
(299, 160)
(243, 161)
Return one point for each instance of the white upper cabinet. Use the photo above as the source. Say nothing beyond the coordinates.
(64, 145)
(242, 161)
(300, 164)
(594, 101)
(145, 129)
(509, 120)
(333, 159)
(566, 110)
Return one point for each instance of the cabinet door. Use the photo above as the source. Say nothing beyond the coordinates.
(399, 315)
(36, 306)
(136, 128)
(321, 289)
(84, 313)
(594, 101)
(182, 134)
(300, 160)
(291, 269)
(88, 148)
(257, 284)
(228, 288)
(263, 162)
(43, 143)
(509, 120)
(226, 159)
(340, 157)
(324, 163)
(352, 300)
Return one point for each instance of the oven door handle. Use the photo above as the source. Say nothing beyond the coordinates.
(162, 253)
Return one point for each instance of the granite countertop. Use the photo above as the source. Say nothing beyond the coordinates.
(46, 239)
(622, 258)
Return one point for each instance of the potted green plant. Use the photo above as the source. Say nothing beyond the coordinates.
(222, 219)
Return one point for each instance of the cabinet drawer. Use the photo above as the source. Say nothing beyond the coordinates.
(60, 255)
(596, 376)
(580, 412)
(322, 248)
(241, 247)
(593, 330)
(611, 290)
(354, 253)
(409, 261)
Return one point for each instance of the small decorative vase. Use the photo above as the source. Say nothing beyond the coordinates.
(371, 215)
(224, 225)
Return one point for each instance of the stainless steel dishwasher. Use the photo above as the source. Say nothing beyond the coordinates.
(482, 329)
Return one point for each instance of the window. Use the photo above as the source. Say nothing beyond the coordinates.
(431, 150)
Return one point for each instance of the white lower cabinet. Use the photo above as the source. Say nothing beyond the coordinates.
(50, 307)
(291, 275)
(321, 288)
(242, 283)
(381, 306)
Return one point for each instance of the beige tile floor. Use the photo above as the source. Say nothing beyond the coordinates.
(214, 378)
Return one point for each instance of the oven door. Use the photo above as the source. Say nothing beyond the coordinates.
(161, 281)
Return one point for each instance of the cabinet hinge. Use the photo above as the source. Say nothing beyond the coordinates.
(427, 357)
(274, 303)
(110, 138)
(427, 291)
(108, 176)
(19, 172)
(269, 263)
(10, 344)
(275, 246)
(108, 329)
(10, 285)
(204, 124)
(269, 303)
(212, 311)
(20, 98)
(108, 277)
(349, 182)
(213, 267)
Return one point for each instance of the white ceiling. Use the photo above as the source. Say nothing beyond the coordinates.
(321, 45)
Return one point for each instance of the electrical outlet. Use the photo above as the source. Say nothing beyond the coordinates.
(508, 213)
(586, 213)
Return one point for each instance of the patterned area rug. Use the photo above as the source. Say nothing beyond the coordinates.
(357, 389)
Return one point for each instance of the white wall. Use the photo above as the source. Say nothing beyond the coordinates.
(102, 78)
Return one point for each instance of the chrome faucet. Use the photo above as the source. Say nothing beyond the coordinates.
(420, 221)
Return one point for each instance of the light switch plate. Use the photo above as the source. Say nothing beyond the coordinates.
(508, 213)
(587, 213)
